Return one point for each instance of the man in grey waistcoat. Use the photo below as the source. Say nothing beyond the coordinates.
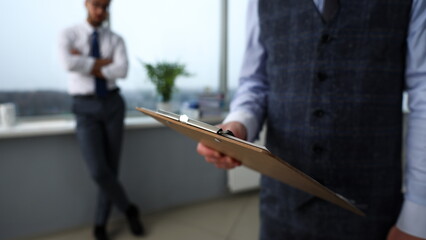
(327, 78)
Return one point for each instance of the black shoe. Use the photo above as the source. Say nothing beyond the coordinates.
(100, 232)
(136, 226)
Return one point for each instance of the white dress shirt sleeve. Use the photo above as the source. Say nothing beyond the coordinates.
(249, 103)
(412, 219)
(73, 62)
(119, 66)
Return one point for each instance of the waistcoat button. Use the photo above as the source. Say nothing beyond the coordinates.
(321, 76)
(317, 149)
(319, 113)
(326, 38)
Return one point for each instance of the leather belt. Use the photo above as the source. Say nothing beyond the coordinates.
(93, 96)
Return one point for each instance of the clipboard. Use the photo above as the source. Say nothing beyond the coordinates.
(251, 155)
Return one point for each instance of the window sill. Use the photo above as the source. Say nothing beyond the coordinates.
(45, 127)
(33, 127)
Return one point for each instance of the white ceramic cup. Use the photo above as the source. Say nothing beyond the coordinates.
(7, 115)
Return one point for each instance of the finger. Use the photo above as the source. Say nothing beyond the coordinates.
(227, 163)
(219, 162)
(212, 160)
(207, 152)
(232, 161)
(224, 165)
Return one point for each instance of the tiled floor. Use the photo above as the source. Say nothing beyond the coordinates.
(231, 218)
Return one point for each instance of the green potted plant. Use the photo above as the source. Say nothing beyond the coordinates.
(163, 75)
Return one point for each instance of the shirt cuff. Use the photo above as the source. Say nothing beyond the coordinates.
(88, 65)
(106, 73)
(247, 119)
(412, 219)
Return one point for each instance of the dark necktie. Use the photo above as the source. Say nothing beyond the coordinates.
(330, 9)
(100, 84)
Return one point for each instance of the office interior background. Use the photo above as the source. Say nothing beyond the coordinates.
(190, 32)
(44, 184)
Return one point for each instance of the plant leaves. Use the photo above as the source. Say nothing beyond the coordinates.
(163, 75)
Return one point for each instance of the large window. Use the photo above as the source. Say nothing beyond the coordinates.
(237, 10)
(31, 75)
(28, 44)
(186, 31)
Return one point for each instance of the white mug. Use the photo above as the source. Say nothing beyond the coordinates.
(7, 114)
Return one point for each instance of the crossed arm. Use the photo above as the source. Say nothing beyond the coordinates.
(97, 65)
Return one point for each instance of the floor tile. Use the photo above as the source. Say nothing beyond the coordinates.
(247, 226)
(80, 233)
(216, 216)
(230, 218)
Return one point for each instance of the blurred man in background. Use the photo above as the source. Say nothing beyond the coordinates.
(95, 58)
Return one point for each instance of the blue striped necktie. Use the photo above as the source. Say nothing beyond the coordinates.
(100, 84)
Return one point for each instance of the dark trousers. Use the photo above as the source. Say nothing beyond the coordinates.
(100, 123)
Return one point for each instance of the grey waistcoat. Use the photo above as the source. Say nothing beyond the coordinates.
(334, 111)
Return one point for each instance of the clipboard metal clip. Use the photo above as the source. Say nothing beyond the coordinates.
(185, 119)
(227, 132)
(198, 124)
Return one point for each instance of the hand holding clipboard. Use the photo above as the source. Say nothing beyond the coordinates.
(251, 155)
(218, 159)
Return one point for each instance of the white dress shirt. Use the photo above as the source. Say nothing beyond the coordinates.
(248, 107)
(112, 47)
